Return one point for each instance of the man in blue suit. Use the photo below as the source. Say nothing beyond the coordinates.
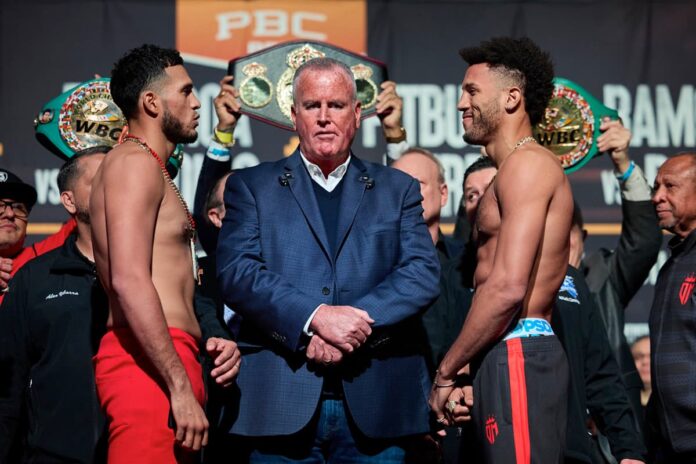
(329, 263)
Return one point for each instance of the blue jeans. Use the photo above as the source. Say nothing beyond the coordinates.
(331, 437)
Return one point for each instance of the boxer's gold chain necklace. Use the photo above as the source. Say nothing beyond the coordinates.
(522, 141)
(168, 178)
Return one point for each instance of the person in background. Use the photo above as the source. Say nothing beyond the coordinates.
(50, 326)
(216, 320)
(442, 319)
(17, 198)
(615, 276)
(672, 406)
(445, 316)
(640, 349)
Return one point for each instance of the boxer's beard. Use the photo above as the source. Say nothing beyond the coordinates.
(174, 130)
(483, 124)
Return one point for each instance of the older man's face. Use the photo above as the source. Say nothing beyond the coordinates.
(326, 115)
(13, 226)
(427, 173)
(675, 195)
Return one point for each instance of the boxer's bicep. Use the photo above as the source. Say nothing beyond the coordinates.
(131, 204)
(524, 203)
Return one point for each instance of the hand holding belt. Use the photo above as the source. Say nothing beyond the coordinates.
(265, 78)
(570, 124)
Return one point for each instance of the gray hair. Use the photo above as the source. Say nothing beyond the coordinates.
(428, 154)
(325, 64)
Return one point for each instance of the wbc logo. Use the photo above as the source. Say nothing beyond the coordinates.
(687, 287)
(491, 429)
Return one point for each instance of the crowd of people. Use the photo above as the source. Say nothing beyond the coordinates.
(330, 319)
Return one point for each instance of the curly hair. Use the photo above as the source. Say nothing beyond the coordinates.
(137, 71)
(521, 61)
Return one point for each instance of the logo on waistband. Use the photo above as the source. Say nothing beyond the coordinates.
(491, 429)
(687, 288)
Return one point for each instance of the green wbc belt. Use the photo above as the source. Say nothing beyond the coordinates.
(570, 125)
(83, 117)
(264, 78)
(86, 117)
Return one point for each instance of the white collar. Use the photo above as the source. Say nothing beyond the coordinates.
(330, 182)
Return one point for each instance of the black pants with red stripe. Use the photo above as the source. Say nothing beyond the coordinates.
(520, 401)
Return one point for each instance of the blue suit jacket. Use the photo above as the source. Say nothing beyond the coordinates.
(275, 268)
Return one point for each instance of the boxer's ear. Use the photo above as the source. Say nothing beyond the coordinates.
(151, 103)
(513, 99)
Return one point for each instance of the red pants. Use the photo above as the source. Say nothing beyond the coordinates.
(136, 402)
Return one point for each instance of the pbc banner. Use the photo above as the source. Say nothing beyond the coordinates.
(215, 32)
(631, 56)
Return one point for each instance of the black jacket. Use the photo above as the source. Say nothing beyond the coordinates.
(444, 318)
(208, 304)
(51, 322)
(595, 380)
(672, 348)
(211, 171)
(614, 277)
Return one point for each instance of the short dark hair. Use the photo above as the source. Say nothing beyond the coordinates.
(71, 169)
(522, 61)
(483, 162)
(211, 199)
(138, 70)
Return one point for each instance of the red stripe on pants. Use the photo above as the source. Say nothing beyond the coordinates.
(518, 400)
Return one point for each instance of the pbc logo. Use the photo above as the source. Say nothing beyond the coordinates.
(687, 287)
(491, 429)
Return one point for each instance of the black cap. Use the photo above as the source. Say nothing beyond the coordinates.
(12, 187)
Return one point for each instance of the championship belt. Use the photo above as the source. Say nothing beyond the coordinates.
(264, 78)
(85, 117)
(570, 125)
